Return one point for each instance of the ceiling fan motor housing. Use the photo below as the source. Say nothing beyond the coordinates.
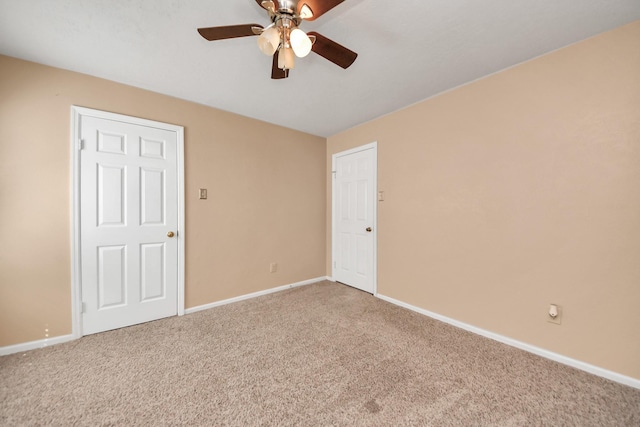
(289, 7)
(283, 13)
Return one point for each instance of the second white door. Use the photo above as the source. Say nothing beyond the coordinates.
(128, 223)
(354, 219)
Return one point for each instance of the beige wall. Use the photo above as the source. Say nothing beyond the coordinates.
(502, 196)
(266, 204)
(517, 191)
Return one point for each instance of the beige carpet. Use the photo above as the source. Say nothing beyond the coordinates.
(318, 355)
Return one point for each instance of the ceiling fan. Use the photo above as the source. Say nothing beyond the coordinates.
(283, 40)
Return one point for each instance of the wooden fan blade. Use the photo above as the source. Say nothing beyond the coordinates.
(228, 32)
(318, 7)
(277, 73)
(332, 51)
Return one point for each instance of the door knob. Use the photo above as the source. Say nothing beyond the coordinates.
(170, 234)
(369, 229)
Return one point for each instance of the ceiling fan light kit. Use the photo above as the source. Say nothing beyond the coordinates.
(286, 60)
(283, 39)
(300, 42)
(269, 40)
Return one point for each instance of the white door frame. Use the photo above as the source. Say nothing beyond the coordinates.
(76, 145)
(334, 248)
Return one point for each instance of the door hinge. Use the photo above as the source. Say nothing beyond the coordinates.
(80, 144)
(334, 174)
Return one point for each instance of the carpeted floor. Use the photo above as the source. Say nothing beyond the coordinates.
(317, 355)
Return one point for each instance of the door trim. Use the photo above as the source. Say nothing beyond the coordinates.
(76, 284)
(373, 145)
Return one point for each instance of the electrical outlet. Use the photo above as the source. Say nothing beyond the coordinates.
(554, 314)
(273, 267)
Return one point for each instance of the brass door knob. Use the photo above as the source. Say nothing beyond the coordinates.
(170, 234)
(369, 229)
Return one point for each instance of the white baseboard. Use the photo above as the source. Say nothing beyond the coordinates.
(253, 295)
(33, 345)
(592, 369)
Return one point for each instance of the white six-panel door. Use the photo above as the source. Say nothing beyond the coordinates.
(128, 223)
(354, 199)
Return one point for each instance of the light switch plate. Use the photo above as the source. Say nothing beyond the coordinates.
(203, 193)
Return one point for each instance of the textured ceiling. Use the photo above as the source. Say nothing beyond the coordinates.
(408, 50)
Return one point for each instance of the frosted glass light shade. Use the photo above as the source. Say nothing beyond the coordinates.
(269, 41)
(300, 43)
(286, 59)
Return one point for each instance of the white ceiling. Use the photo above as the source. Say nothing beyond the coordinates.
(408, 50)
